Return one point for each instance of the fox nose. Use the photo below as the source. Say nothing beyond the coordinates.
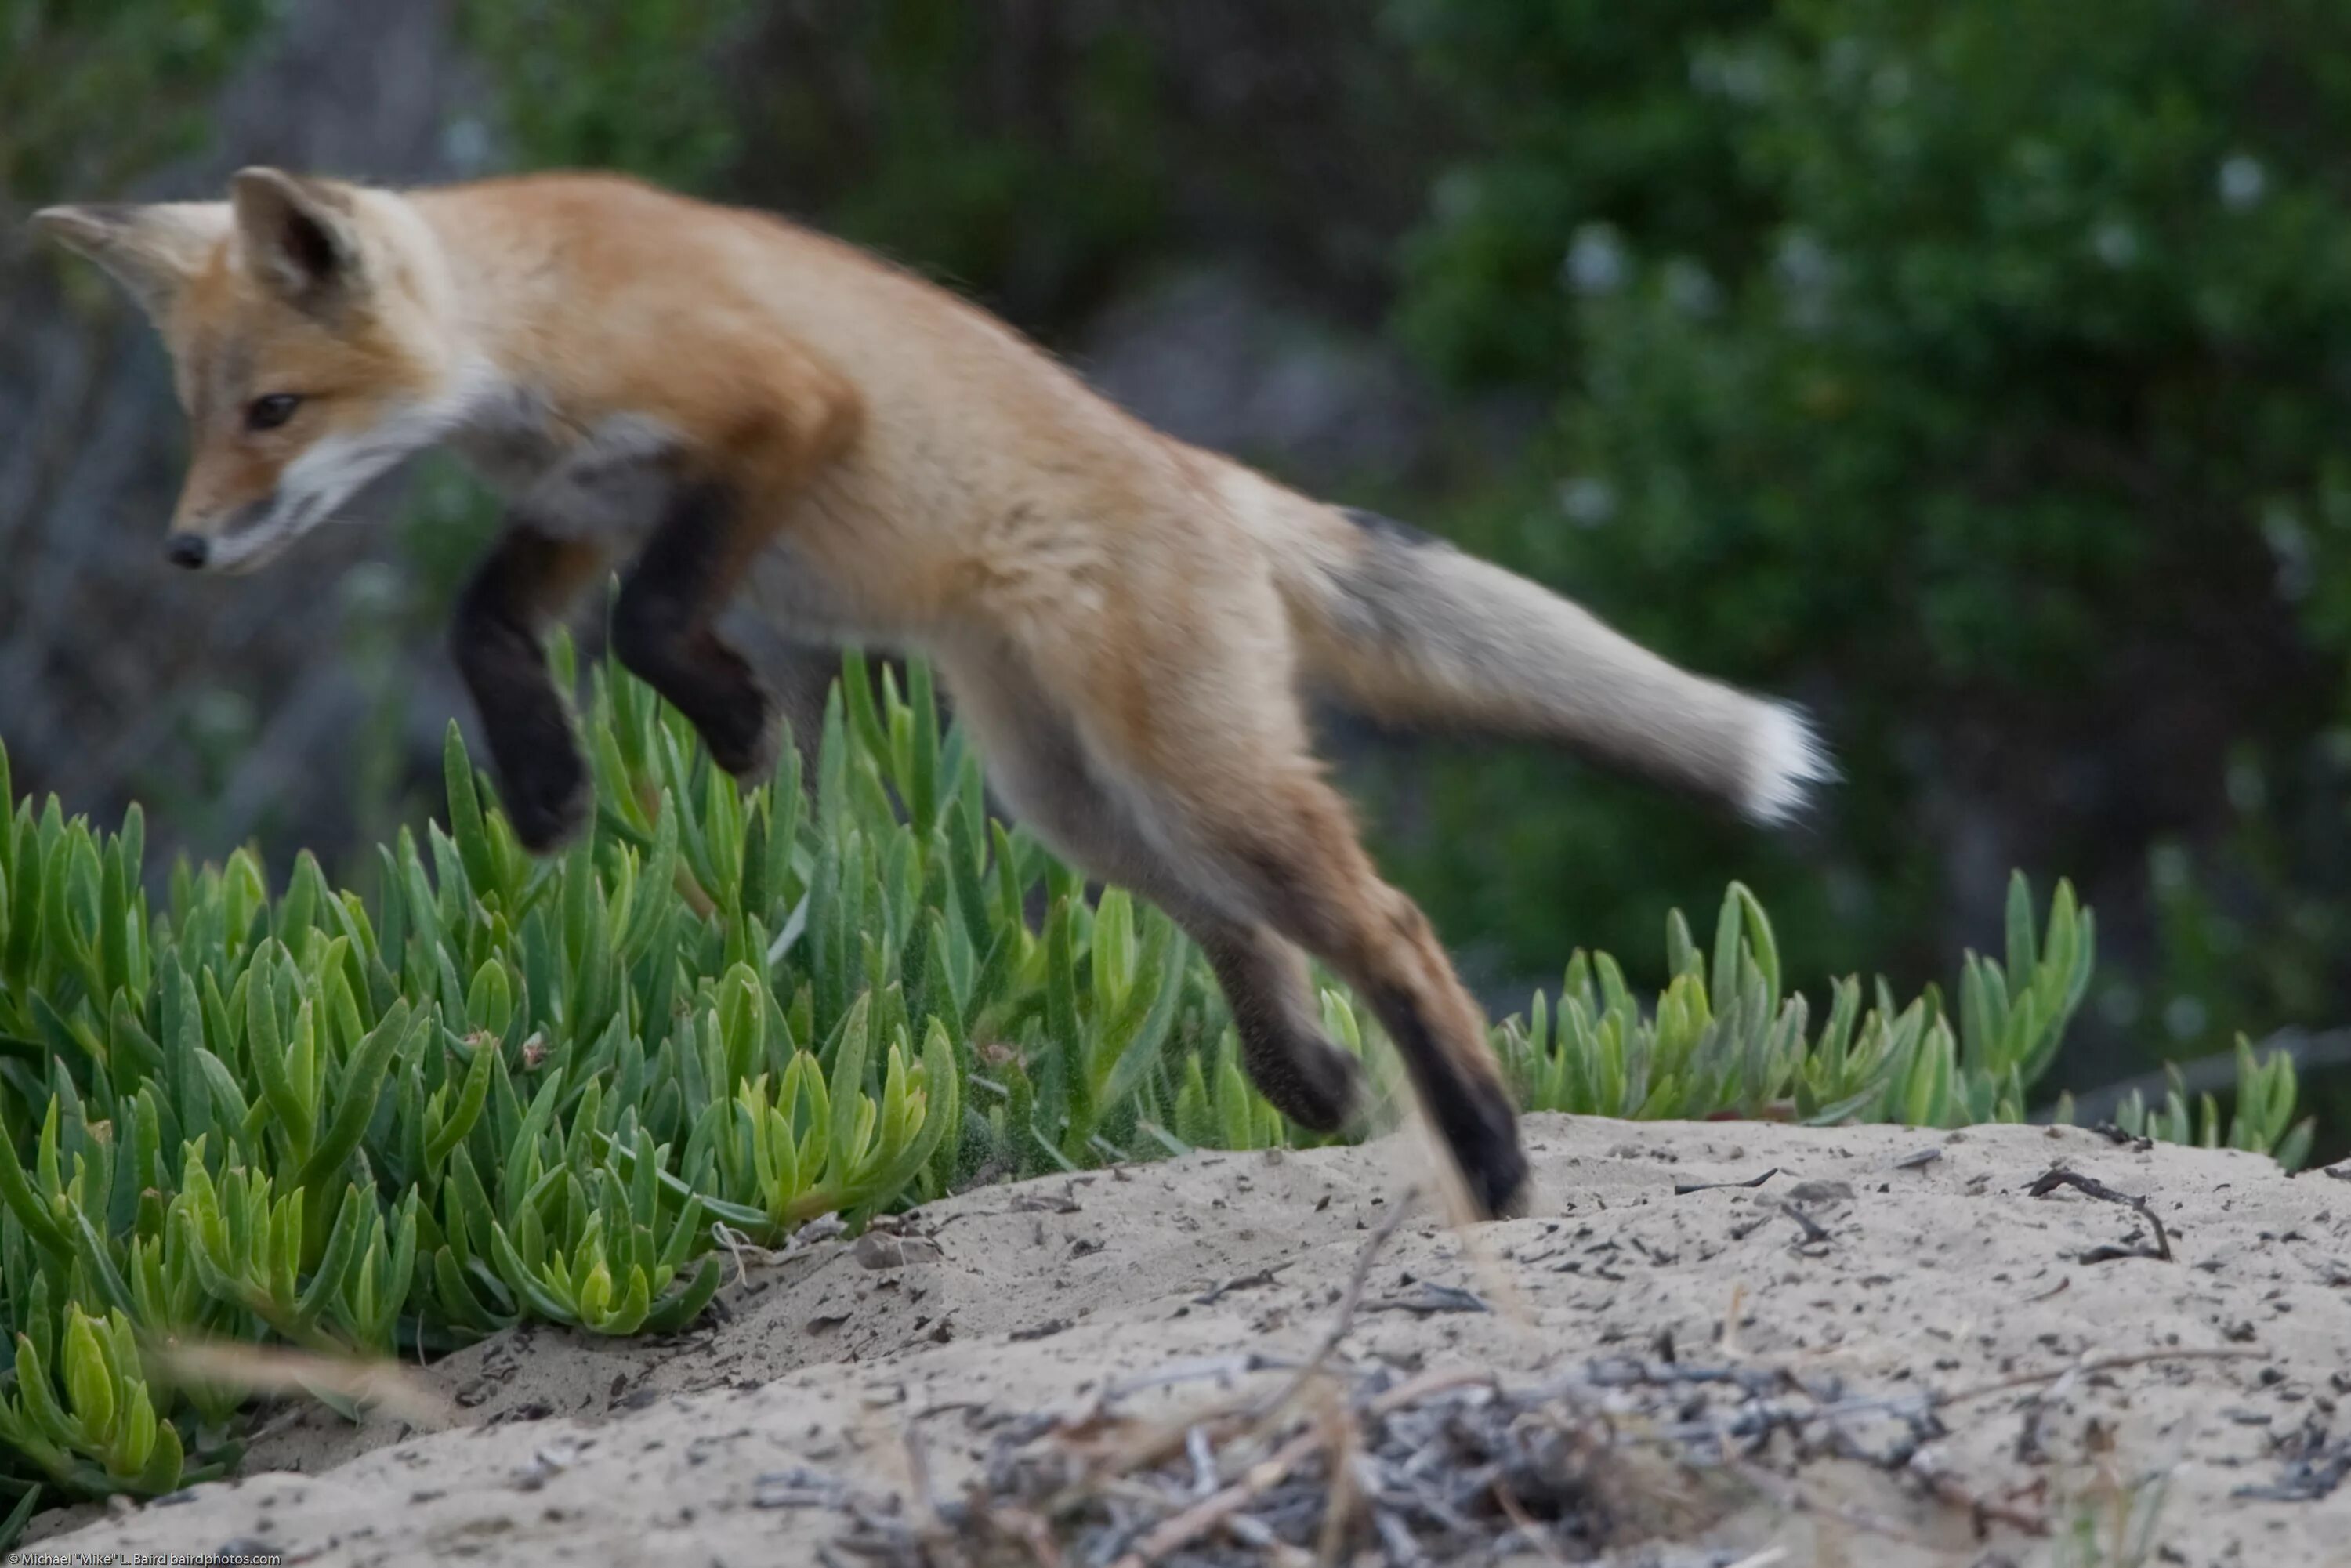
(187, 549)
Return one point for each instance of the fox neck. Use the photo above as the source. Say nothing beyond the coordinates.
(434, 273)
(496, 410)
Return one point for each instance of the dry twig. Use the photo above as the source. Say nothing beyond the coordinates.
(1348, 1304)
(2051, 1180)
(1203, 1517)
(1683, 1189)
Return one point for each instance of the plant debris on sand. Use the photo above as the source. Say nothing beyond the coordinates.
(504, 1091)
(1660, 1381)
(1447, 1465)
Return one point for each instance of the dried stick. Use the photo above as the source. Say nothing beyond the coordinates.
(2099, 1364)
(1348, 1304)
(1188, 1526)
(1683, 1189)
(2049, 1181)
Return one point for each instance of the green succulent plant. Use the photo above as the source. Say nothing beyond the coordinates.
(505, 1089)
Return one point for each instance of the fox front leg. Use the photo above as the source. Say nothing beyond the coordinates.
(661, 628)
(525, 582)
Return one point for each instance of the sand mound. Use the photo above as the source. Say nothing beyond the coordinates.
(1913, 1265)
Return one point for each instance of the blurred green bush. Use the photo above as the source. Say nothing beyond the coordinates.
(68, 68)
(1981, 369)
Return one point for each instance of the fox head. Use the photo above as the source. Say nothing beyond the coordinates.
(308, 351)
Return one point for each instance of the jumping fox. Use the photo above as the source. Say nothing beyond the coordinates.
(1128, 625)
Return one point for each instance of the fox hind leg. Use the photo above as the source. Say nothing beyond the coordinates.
(1041, 771)
(1294, 1065)
(661, 629)
(1294, 854)
(1194, 726)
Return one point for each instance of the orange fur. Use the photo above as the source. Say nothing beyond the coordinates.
(1124, 621)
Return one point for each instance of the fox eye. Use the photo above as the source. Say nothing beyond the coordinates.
(269, 413)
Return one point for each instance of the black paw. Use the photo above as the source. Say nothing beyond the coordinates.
(1480, 1127)
(1495, 1171)
(1471, 1110)
(741, 732)
(1482, 1132)
(548, 796)
(1309, 1079)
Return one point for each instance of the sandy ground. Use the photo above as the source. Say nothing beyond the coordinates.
(1925, 1266)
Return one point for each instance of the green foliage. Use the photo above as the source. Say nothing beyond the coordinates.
(509, 1089)
(1581, 113)
(1723, 1039)
(69, 67)
(1979, 363)
(613, 84)
(2262, 1118)
(882, 116)
(82, 1410)
(1045, 157)
(937, 128)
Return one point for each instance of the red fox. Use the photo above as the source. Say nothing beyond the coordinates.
(1128, 625)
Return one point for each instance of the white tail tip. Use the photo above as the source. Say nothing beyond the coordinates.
(1785, 764)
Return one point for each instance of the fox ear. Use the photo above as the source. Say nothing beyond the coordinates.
(152, 250)
(297, 235)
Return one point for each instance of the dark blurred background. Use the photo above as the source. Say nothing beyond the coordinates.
(1978, 373)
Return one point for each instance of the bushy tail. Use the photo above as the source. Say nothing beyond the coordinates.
(1409, 631)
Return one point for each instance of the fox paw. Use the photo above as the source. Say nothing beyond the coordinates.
(744, 735)
(549, 800)
(1310, 1080)
(1485, 1144)
(1497, 1175)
